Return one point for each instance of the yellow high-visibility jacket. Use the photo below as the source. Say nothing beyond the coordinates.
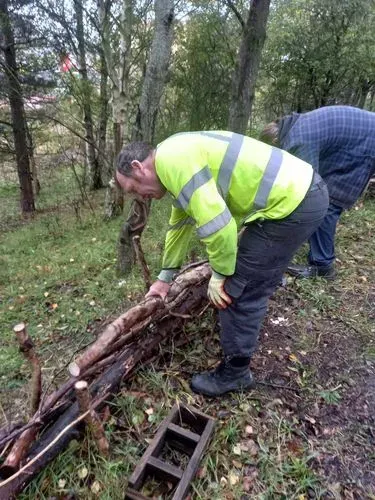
(219, 181)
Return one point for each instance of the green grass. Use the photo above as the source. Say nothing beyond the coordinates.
(58, 274)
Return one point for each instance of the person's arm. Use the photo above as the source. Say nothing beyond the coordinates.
(215, 227)
(176, 245)
(177, 240)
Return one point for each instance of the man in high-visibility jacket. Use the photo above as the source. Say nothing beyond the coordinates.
(219, 182)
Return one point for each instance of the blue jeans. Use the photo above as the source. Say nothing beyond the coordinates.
(322, 242)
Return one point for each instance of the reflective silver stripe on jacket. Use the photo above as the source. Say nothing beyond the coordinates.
(268, 179)
(215, 224)
(199, 179)
(228, 164)
(229, 161)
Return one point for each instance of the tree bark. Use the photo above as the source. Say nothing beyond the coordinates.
(95, 179)
(135, 320)
(247, 66)
(34, 170)
(94, 424)
(144, 128)
(17, 111)
(156, 72)
(104, 11)
(119, 75)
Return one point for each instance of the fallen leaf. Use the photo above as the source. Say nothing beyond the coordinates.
(95, 487)
(237, 464)
(236, 449)
(251, 447)
(295, 447)
(83, 472)
(223, 481)
(233, 478)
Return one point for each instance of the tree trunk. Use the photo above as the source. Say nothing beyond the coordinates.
(34, 170)
(156, 72)
(104, 10)
(95, 179)
(247, 66)
(144, 129)
(17, 111)
(119, 75)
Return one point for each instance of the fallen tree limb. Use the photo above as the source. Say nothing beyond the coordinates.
(93, 421)
(148, 311)
(21, 446)
(27, 348)
(187, 298)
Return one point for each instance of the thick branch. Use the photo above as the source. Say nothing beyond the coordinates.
(57, 437)
(95, 426)
(148, 311)
(27, 348)
(236, 13)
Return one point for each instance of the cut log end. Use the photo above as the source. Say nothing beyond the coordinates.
(81, 385)
(20, 327)
(74, 369)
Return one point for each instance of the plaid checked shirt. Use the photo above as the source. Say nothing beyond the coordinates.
(339, 142)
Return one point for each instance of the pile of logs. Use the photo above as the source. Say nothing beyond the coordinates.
(95, 375)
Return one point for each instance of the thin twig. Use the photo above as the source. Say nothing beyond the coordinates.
(142, 261)
(178, 315)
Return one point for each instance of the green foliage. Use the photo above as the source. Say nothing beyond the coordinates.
(317, 53)
(197, 96)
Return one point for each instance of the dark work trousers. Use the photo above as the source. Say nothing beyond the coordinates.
(264, 252)
(322, 242)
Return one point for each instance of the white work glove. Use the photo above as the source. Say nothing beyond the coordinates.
(216, 293)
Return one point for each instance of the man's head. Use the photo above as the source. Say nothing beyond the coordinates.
(136, 171)
(270, 134)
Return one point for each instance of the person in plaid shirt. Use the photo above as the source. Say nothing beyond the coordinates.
(339, 142)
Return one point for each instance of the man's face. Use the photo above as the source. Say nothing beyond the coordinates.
(143, 182)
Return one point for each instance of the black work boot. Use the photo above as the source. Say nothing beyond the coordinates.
(327, 272)
(225, 378)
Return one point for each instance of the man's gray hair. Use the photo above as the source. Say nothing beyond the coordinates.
(270, 133)
(134, 151)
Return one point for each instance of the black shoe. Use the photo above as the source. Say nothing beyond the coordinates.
(327, 272)
(225, 378)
